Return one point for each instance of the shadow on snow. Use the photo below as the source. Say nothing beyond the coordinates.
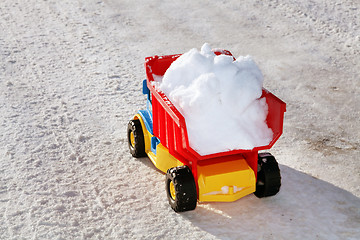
(305, 208)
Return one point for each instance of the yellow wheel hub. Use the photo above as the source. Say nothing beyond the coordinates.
(172, 190)
(132, 139)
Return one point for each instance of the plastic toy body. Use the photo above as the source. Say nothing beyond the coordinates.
(160, 133)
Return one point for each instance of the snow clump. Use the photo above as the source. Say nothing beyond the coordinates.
(219, 99)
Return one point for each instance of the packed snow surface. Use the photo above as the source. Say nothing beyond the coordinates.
(220, 100)
(70, 80)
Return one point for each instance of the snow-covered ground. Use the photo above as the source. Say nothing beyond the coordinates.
(70, 79)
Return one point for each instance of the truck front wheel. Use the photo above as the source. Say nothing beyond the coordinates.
(268, 176)
(181, 189)
(135, 137)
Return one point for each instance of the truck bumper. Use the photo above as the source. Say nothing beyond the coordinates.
(225, 181)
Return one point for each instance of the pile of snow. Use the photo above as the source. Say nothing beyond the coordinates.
(219, 99)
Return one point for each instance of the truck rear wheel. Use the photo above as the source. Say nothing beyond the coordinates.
(136, 138)
(268, 176)
(181, 189)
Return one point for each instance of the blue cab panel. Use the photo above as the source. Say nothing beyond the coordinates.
(154, 142)
(146, 89)
(147, 117)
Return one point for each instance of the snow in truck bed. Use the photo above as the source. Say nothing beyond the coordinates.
(220, 100)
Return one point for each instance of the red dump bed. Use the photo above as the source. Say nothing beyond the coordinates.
(169, 124)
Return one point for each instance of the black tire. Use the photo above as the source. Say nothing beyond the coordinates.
(268, 176)
(181, 189)
(135, 137)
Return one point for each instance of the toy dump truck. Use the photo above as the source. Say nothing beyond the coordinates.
(159, 132)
